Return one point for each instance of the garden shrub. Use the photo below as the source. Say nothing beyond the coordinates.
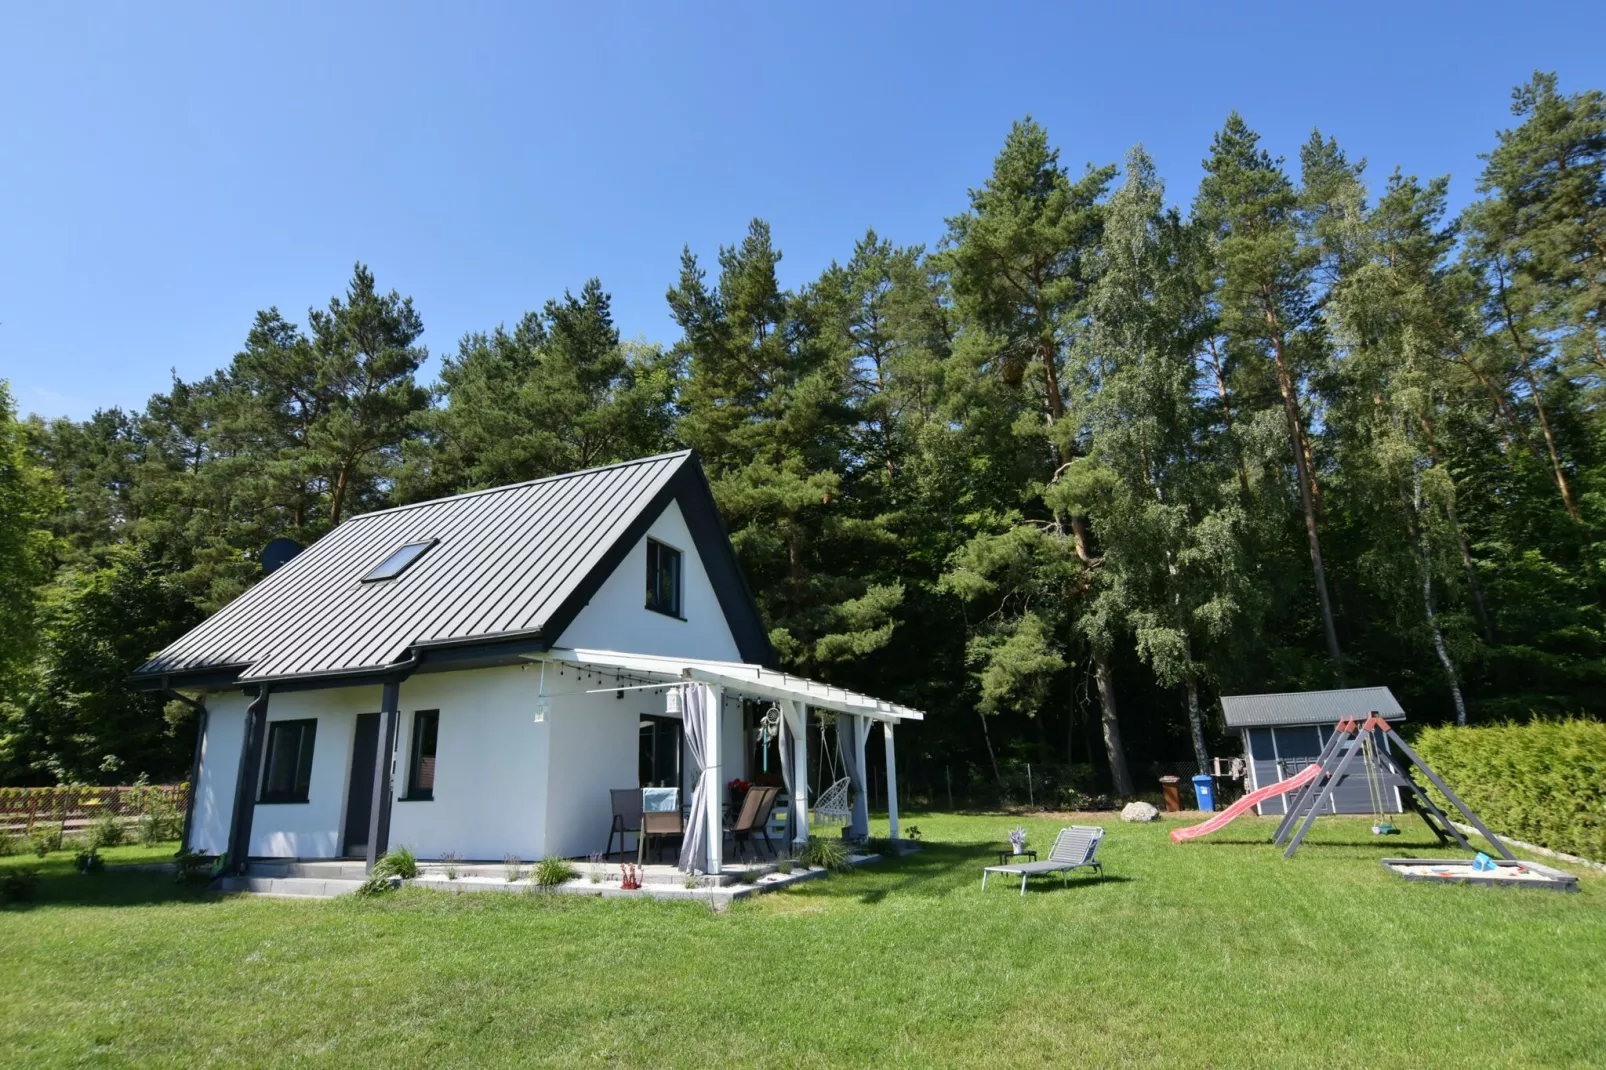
(45, 839)
(552, 871)
(193, 867)
(9, 844)
(831, 854)
(398, 862)
(162, 822)
(376, 883)
(106, 831)
(1543, 782)
(18, 886)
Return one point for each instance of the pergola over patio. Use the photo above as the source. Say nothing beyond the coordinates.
(794, 694)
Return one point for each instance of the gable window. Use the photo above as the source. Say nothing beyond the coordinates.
(421, 766)
(287, 773)
(663, 578)
(397, 562)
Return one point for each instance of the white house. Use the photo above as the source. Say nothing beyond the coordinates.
(473, 675)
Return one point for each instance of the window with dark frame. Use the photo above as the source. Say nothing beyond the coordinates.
(663, 578)
(287, 770)
(659, 765)
(421, 767)
(398, 561)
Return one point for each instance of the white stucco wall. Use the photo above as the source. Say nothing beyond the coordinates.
(504, 784)
(491, 766)
(220, 767)
(596, 746)
(313, 829)
(617, 617)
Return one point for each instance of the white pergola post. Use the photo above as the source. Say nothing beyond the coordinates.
(797, 717)
(892, 777)
(716, 805)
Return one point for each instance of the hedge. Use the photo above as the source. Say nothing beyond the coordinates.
(1543, 782)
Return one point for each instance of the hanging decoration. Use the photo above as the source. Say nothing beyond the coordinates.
(769, 727)
(543, 703)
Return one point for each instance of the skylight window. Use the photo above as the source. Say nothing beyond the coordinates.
(397, 562)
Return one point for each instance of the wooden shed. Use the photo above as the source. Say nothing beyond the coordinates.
(1283, 733)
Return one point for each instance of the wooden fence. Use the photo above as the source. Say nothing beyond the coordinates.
(72, 806)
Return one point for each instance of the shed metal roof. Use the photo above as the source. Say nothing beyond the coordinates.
(1309, 707)
(515, 561)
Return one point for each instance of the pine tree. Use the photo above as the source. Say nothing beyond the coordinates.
(1020, 262)
(557, 393)
(1161, 489)
(1263, 277)
(765, 405)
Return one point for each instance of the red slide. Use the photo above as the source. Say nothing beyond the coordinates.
(1205, 828)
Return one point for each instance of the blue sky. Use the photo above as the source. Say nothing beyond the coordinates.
(167, 171)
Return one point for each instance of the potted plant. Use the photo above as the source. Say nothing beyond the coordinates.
(1017, 839)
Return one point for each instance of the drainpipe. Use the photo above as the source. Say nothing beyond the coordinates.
(245, 784)
(385, 764)
(195, 762)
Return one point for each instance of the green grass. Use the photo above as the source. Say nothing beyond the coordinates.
(1215, 953)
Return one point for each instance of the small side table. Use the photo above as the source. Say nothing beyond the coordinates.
(1005, 856)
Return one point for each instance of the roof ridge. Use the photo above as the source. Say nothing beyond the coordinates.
(1323, 691)
(525, 483)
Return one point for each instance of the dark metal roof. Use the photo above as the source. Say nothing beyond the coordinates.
(515, 562)
(1309, 707)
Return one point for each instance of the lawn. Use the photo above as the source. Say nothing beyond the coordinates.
(1215, 953)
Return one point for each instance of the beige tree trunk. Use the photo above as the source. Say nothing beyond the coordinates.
(1120, 776)
(1307, 500)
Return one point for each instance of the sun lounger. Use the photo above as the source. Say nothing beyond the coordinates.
(1074, 848)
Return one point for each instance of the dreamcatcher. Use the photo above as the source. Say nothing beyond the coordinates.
(769, 729)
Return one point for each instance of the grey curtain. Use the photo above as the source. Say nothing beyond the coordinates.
(851, 731)
(784, 742)
(694, 722)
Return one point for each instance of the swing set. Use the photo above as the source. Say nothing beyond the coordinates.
(1370, 741)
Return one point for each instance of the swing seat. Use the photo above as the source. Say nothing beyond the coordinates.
(832, 806)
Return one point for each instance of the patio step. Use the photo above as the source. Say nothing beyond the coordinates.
(289, 887)
(334, 869)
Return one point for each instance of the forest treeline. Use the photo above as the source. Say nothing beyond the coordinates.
(1061, 480)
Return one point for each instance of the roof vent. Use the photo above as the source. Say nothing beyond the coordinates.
(398, 561)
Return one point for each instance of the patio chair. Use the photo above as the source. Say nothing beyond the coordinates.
(660, 817)
(1074, 848)
(754, 816)
(626, 817)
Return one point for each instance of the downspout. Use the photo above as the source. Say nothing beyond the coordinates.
(385, 763)
(195, 762)
(245, 782)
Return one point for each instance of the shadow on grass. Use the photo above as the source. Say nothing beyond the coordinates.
(936, 871)
(1049, 882)
(1374, 841)
(61, 885)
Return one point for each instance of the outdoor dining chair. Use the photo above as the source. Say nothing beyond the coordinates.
(660, 817)
(626, 817)
(754, 816)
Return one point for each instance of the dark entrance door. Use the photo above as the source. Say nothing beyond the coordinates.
(360, 801)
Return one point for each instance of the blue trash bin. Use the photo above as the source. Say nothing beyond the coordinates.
(1205, 788)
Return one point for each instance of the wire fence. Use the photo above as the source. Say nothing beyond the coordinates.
(1049, 786)
(75, 806)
